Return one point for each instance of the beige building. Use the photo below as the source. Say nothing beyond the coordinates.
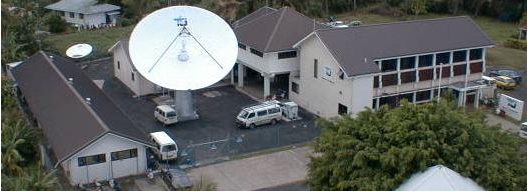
(344, 70)
(126, 72)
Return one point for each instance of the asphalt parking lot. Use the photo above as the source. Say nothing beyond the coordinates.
(215, 135)
(520, 92)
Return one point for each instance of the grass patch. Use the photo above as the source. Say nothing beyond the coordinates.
(101, 40)
(507, 57)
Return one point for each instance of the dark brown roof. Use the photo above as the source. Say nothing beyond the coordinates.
(276, 31)
(351, 46)
(68, 122)
(254, 15)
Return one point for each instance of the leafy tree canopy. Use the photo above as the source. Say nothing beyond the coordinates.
(379, 150)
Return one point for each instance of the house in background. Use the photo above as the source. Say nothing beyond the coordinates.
(127, 73)
(439, 178)
(89, 136)
(344, 70)
(265, 41)
(87, 13)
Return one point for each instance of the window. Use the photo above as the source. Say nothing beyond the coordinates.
(294, 87)
(132, 76)
(459, 69)
(443, 58)
(341, 109)
(328, 72)
(118, 64)
(423, 95)
(251, 115)
(407, 63)
(426, 74)
(167, 148)
(476, 54)
(389, 65)
(374, 103)
(375, 82)
(72, 15)
(408, 77)
(425, 60)
(126, 154)
(459, 56)
(407, 96)
(242, 46)
(81, 16)
(391, 101)
(445, 72)
(341, 74)
(315, 68)
(476, 67)
(273, 110)
(287, 54)
(388, 80)
(90, 160)
(261, 113)
(256, 52)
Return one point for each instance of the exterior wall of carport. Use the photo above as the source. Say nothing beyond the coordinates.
(140, 86)
(109, 169)
(322, 95)
(268, 66)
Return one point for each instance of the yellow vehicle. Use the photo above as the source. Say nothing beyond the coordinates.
(504, 82)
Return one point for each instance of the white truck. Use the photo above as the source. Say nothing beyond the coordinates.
(266, 112)
(166, 114)
(166, 146)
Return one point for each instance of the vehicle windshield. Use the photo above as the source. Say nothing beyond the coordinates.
(171, 114)
(243, 114)
(168, 148)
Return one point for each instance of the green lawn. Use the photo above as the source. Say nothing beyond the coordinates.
(101, 40)
(497, 31)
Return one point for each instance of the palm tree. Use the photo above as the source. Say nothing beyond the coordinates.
(15, 136)
(41, 180)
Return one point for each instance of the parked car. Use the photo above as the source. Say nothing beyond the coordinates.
(508, 73)
(176, 179)
(504, 82)
(523, 130)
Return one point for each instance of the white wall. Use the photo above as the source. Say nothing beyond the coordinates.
(362, 95)
(140, 86)
(322, 95)
(109, 169)
(90, 19)
(269, 63)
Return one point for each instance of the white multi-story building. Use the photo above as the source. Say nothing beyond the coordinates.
(344, 70)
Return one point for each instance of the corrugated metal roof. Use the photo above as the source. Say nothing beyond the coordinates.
(275, 31)
(82, 6)
(439, 178)
(68, 122)
(352, 46)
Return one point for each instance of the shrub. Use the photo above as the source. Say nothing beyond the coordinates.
(125, 22)
(55, 23)
(516, 44)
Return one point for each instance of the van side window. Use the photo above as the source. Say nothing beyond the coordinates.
(262, 113)
(171, 114)
(273, 110)
(251, 115)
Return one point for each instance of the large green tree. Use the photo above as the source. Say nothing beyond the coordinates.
(379, 150)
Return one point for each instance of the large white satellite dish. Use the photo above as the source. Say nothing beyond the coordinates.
(183, 48)
(79, 50)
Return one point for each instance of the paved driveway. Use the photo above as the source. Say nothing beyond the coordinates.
(214, 136)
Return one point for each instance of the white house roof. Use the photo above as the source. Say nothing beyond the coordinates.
(82, 6)
(439, 178)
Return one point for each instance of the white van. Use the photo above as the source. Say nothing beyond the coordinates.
(523, 130)
(166, 147)
(165, 114)
(266, 112)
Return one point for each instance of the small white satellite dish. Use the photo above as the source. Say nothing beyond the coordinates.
(79, 50)
(183, 48)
